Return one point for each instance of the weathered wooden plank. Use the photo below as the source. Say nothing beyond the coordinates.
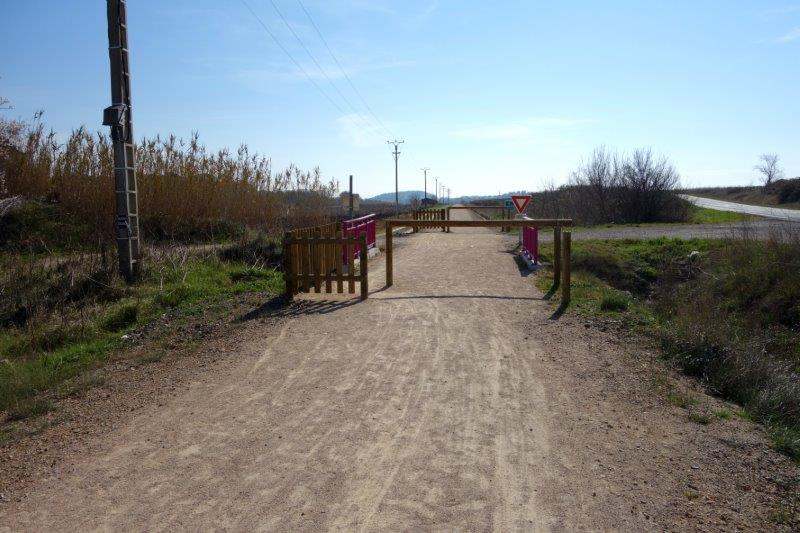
(288, 278)
(556, 256)
(318, 260)
(351, 287)
(566, 282)
(389, 255)
(339, 262)
(364, 266)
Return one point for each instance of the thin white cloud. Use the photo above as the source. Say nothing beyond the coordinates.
(793, 35)
(288, 72)
(781, 10)
(360, 131)
(498, 132)
(525, 130)
(429, 9)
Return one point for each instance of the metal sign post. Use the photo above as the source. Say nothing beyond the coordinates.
(118, 116)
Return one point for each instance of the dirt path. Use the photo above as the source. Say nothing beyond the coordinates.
(449, 401)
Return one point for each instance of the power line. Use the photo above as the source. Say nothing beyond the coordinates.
(343, 71)
(290, 56)
(319, 67)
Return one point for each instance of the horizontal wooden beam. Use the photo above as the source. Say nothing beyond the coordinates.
(477, 207)
(334, 277)
(323, 240)
(514, 223)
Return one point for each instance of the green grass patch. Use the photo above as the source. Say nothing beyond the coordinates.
(679, 399)
(615, 301)
(53, 348)
(786, 439)
(703, 419)
(704, 215)
(29, 408)
(723, 414)
(121, 317)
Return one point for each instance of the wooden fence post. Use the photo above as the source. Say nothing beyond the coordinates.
(447, 217)
(288, 266)
(364, 267)
(567, 269)
(339, 250)
(556, 256)
(389, 262)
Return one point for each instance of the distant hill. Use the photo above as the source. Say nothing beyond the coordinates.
(406, 197)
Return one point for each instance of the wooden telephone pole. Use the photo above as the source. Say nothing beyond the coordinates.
(396, 153)
(118, 116)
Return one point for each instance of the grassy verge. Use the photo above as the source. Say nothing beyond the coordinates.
(58, 322)
(697, 215)
(726, 312)
(704, 215)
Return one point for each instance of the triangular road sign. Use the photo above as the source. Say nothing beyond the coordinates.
(521, 201)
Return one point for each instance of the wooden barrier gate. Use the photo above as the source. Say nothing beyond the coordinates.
(504, 211)
(436, 215)
(316, 259)
(562, 241)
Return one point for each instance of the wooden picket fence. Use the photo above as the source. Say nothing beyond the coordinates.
(434, 215)
(321, 259)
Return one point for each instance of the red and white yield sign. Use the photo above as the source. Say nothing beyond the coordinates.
(521, 201)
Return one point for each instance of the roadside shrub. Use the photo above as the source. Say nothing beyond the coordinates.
(615, 188)
(788, 191)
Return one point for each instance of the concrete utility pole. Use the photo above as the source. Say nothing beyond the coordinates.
(119, 117)
(396, 186)
(437, 189)
(425, 170)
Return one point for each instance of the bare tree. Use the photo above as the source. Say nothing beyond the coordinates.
(770, 169)
(5, 103)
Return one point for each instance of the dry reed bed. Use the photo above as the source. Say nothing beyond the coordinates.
(186, 191)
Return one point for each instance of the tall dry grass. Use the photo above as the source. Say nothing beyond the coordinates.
(186, 191)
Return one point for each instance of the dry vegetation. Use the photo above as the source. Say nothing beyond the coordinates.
(726, 311)
(616, 188)
(63, 307)
(186, 192)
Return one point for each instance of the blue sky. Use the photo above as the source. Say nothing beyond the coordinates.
(491, 95)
